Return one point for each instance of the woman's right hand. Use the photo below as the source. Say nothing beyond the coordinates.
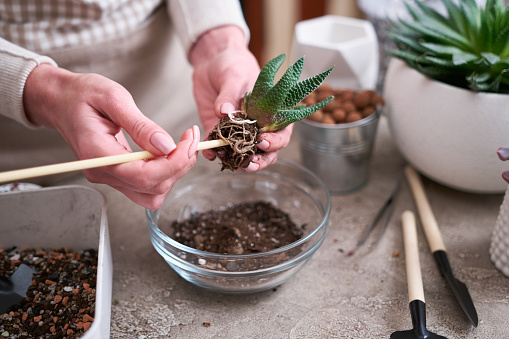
(90, 112)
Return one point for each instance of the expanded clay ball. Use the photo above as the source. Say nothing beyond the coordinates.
(353, 116)
(347, 106)
(317, 116)
(362, 99)
(328, 119)
(339, 115)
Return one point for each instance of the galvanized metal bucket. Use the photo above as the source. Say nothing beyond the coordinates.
(339, 154)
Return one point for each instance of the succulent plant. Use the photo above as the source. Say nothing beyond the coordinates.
(275, 106)
(268, 107)
(467, 47)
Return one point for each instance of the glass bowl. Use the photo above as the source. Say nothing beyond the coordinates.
(288, 185)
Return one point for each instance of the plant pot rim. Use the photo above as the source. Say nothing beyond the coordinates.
(365, 121)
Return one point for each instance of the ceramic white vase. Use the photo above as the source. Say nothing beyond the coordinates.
(449, 134)
(499, 248)
(348, 44)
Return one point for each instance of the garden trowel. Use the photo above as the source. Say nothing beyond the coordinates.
(14, 288)
(437, 246)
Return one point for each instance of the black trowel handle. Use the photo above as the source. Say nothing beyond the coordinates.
(413, 266)
(428, 220)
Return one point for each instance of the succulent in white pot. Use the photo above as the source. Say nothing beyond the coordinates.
(446, 90)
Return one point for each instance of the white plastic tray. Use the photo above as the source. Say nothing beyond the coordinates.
(63, 216)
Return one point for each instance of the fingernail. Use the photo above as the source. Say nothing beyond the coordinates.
(252, 167)
(505, 175)
(503, 153)
(194, 144)
(227, 108)
(263, 145)
(163, 143)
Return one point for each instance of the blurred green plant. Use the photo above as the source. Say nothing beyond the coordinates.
(467, 47)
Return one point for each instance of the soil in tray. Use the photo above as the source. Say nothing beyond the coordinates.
(243, 228)
(60, 303)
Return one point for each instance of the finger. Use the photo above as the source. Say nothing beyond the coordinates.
(228, 99)
(148, 175)
(123, 141)
(260, 161)
(120, 108)
(155, 176)
(150, 201)
(270, 142)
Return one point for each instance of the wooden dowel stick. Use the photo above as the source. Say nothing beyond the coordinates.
(80, 165)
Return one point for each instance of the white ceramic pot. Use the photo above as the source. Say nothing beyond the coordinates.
(449, 134)
(499, 248)
(350, 44)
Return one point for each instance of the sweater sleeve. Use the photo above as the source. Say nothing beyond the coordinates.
(192, 18)
(16, 63)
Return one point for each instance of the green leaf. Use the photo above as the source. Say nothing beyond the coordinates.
(265, 80)
(275, 97)
(403, 54)
(462, 58)
(447, 37)
(303, 88)
(284, 118)
(407, 42)
(456, 16)
(481, 82)
(441, 49)
(472, 12)
(490, 58)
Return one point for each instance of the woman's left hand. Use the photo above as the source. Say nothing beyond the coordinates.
(224, 71)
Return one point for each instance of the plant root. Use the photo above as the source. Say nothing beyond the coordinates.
(240, 134)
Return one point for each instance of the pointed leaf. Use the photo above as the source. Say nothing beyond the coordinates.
(446, 36)
(407, 42)
(463, 58)
(286, 117)
(481, 82)
(275, 97)
(265, 80)
(441, 49)
(490, 58)
(303, 88)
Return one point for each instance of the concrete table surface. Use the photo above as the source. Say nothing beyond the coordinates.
(337, 294)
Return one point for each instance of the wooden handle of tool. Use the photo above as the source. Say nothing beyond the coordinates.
(413, 266)
(428, 220)
(80, 165)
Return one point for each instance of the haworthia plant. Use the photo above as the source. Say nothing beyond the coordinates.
(275, 106)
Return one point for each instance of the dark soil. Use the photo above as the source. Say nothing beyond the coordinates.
(241, 137)
(60, 303)
(244, 228)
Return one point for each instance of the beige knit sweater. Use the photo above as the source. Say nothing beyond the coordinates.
(29, 30)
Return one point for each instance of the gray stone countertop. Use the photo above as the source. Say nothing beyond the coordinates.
(336, 295)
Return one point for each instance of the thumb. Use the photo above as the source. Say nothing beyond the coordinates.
(149, 136)
(144, 132)
(228, 100)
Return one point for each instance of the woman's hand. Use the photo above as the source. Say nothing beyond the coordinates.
(90, 112)
(224, 70)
